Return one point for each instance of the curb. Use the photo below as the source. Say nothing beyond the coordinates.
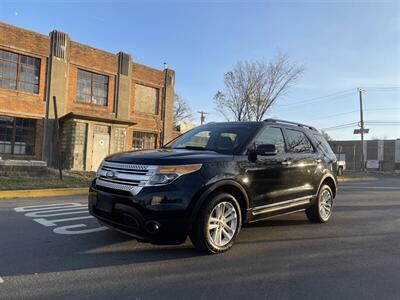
(350, 179)
(43, 193)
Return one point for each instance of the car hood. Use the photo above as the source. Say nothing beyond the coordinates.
(167, 157)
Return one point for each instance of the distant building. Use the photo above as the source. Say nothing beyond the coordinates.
(186, 126)
(106, 103)
(384, 154)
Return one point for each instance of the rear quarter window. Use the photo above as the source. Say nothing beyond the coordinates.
(323, 144)
(298, 142)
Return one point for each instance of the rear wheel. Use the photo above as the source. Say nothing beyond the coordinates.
(217, 224)
(321, 211)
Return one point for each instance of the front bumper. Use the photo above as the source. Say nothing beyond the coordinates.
(160, 224)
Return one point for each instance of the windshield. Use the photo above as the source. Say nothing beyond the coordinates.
(228, 139)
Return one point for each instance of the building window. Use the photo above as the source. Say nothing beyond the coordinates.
(146, 99)
(143, 140)
(17, 135)
(92, 88)
(19, 72)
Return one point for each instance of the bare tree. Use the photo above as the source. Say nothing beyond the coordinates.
(326, 135)
(251, 88)
(182, 110)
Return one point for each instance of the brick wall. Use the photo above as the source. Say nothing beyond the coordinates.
(20, 103)
(23, 104)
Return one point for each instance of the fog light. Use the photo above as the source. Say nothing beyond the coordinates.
(152, 227)
(155, 200)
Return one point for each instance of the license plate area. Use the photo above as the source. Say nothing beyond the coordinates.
(104, 203)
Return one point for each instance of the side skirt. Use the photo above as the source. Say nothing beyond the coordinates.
(276, 207)
(277, 215)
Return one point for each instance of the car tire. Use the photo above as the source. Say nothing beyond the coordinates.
(321, 210)
(217, 224)
(340, 171)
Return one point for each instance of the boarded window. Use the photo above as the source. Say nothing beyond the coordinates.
(143, 140)
(92, 88)
(146, 99)
(19, 72)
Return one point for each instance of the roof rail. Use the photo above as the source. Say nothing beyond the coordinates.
(291, 123)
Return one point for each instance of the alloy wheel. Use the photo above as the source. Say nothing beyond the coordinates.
(222, 224)
(325, 204)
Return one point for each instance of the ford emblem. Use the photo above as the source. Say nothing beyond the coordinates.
(110, 174)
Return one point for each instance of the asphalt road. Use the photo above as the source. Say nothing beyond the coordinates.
(354, 256)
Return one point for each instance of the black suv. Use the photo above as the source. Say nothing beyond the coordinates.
(213, 179)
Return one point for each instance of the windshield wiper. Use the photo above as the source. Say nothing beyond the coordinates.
(194, 148)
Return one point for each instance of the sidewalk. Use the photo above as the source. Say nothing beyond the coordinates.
(36, 193)
(55, 192)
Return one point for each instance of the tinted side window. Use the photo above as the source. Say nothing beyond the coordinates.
(298, 142)
(272, 135)
(323, 144)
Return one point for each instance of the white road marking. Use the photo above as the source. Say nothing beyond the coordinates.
(54, 212)
(1, 280)
(50, 223)
(66, 229)
(46, 207)
(41, 214)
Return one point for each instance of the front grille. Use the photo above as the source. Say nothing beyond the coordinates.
(124, 177)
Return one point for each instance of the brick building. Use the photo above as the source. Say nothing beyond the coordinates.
(105, 102)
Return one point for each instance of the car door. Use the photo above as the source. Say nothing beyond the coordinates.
(303, 163)
(268, 175)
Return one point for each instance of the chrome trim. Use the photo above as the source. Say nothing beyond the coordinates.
(278, 215)
(129, 166)
(117, 186)
(125, 176)
(281, 205)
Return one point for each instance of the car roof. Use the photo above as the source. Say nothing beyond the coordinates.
(266, 121)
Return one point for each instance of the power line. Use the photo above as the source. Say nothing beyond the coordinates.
(343, 93)
(316, 99)
(382, 87)
(386, 108)
(373, 123)
(335, 115)
(353, 111)
(341, 126)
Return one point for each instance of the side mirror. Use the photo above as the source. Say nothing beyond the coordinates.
(263, 150)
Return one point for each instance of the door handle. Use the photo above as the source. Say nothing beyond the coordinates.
(286, 162)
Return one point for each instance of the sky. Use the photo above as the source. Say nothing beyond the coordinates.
(342, 44)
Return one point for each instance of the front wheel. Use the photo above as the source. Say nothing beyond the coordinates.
(321, 211)
(217, 224)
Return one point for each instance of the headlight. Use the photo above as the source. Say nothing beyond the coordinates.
(167, 174)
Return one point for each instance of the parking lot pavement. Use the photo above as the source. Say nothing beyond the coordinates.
(52, 249)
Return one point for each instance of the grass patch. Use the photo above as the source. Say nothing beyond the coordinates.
(70, 180)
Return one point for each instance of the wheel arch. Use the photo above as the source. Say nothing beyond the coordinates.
(228, 186)
(331, 182)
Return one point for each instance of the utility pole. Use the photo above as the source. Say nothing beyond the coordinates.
(164, 100)
(202, 117)
(360, 91)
